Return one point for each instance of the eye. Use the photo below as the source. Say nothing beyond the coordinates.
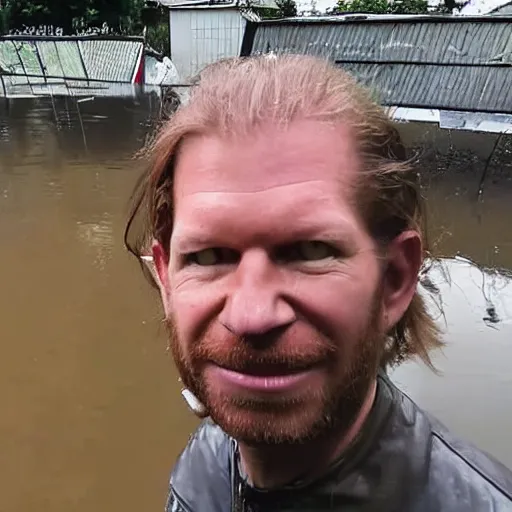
(312, 251)
(206, 257)
(307, 251)
(212, 256)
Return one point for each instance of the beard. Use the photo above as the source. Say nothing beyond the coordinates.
(350, 366)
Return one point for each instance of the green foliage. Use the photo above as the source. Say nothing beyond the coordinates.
(4, 19)
(127, 17)
(285, 9)
(397, 6)
(383, 6)
(122, 16)
(158, 36)
(449, 6)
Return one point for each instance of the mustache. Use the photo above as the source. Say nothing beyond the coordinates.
(244, 354)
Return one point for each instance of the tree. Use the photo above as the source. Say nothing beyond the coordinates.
(383, 6)
(397, 6)
(449, 6)
(286, 8)
(122, 16)
(127, 17)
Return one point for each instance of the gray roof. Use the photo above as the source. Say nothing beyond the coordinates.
(439, 62)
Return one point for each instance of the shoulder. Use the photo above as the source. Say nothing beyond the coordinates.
(470, 469)
(201, 478)
(459, 476)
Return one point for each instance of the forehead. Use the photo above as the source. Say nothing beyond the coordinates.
(303, 174)
(271, 157)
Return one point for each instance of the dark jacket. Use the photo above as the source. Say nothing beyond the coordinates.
(403, 461)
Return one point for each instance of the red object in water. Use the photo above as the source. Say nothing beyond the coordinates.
(139, 73)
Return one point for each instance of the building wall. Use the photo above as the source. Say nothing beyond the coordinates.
(203, 36)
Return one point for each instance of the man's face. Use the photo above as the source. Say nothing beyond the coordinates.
(272, 285)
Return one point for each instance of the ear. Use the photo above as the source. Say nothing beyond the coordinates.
(161, 267)
(404, 259)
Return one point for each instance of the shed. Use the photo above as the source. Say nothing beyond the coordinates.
(204, 31)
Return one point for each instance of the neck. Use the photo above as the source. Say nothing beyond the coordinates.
(271, 467)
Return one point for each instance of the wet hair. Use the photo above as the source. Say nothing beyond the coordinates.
(235, 97)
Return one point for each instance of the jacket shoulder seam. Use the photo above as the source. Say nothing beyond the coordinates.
(472, 465)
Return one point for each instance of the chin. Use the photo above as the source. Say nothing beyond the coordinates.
(290, 421)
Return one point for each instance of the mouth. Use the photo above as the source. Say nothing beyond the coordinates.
(262, 379)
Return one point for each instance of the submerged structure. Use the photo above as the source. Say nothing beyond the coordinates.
(32, 66)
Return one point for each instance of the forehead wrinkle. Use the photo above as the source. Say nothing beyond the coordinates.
(344, 191)
(262, 189)
(210, 205)
(230, 183)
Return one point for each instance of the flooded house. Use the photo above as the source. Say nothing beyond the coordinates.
(97, 65)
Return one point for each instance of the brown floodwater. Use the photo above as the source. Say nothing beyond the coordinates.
(91, 417)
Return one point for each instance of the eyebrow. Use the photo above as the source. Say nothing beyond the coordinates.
(187, 240)
(192, 241)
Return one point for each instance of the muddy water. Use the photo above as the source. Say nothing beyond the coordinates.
(91, 414)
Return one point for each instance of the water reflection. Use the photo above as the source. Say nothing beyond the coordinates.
(473, 394)
(490, 287)
(92, 416)
(98, 236)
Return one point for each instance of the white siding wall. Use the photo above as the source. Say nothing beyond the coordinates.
(202, 36)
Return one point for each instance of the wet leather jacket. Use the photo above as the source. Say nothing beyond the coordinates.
(403, 461)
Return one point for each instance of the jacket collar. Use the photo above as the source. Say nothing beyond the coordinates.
(342, 481)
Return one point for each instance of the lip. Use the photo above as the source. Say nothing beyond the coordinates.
(280, 383)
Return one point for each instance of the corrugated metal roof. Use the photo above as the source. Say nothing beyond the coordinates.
(427, 62)
(428, 87)
(110, 60)
(28, 65)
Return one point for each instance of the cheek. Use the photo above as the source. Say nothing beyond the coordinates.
(338, 303)
(341, 303)
(194, 306)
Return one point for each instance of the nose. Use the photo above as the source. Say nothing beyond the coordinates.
(256, 304)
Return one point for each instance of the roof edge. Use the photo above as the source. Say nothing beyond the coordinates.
(386, 18)
(92, 37)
